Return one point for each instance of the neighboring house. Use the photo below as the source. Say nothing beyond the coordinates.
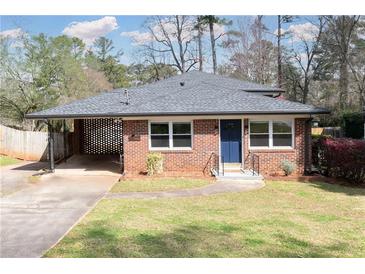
(198, 121)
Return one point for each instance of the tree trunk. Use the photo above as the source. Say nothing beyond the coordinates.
(261, 65)
(212, 41)
(200, 34)
(280, 72)
(180, 43)
(305, 93)
(343, 84)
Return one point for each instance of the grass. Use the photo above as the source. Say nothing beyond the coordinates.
(283, 219)
(6, 160)
(158, 184)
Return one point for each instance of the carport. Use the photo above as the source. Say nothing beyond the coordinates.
(97, 145)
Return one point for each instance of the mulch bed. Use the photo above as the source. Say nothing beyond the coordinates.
(313, 178)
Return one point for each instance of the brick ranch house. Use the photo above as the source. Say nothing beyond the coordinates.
(200, 122)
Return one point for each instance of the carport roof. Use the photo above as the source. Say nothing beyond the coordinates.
(193, 93)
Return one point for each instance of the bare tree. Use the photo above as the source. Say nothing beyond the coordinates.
(337, 44)
(251, 55)
(173, 35)
(281, 20)
(303, 56)
(257, 30)
(356, 63)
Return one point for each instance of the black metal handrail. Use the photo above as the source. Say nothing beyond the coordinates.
(222, 161)
(255, 164)
(217, 160)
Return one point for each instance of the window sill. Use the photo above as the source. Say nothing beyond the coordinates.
(272, 150)
(171, 150)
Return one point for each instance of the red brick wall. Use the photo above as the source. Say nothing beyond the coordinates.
(205, 141)
(270, 160)
(135, 145)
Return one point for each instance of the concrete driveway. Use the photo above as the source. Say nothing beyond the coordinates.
(36, 215)
(19, 176)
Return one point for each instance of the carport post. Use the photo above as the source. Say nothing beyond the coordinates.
(64, 140)
(50, 146)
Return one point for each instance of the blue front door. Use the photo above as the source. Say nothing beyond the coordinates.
(231, 141)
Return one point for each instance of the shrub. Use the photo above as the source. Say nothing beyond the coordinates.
(154, 163)
(353, 124)
(340, 158)
(288, 167)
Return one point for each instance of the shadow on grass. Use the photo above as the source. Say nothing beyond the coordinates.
(337, 188)
(298, 248)
(194, 241)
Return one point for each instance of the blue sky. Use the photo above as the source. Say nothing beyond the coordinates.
(55, 25)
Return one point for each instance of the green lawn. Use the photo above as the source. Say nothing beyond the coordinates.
(283, 219)
(6, 160)
(158, 184)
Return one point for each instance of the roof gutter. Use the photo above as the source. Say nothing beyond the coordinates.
(108, 115)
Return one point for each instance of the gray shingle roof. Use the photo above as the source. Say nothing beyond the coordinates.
(200, 94)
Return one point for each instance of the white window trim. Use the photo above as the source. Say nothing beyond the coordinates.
(271, 146)
(171, 147)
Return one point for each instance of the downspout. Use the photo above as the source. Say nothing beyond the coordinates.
(308, 146)
(121, 149)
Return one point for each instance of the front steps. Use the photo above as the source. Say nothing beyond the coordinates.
(241, 176)
(231, 167)
(233, 171)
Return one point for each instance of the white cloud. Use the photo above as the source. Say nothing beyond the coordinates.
(144, 37)
(282, 31)
(306, 32)
(138, 38)
(89, 31)
(12, 33)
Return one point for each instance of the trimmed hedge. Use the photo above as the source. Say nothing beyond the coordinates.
(340, 158)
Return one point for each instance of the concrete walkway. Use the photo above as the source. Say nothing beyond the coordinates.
(215, 188)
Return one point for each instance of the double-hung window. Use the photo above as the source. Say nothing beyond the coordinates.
(170, 135)
(282, 133)
(160, 135)
(271, 134)
(259, 134)
(181, 135)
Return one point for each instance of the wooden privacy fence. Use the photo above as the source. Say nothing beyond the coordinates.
(329, 131)
(32, 145)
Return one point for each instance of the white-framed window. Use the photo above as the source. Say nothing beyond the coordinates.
(170, 135)
(271, 134)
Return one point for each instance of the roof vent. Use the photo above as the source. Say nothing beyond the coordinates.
(182, 84)
(126, 94)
